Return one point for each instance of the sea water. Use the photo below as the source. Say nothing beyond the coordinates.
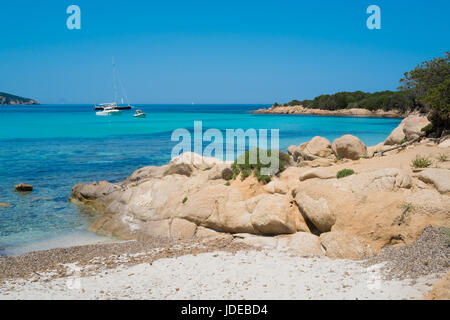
(54, 147)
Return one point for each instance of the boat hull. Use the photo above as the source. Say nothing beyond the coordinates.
(118, 108)
(109, 113)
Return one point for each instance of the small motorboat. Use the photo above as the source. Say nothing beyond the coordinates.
(139, 114)
(109, 111)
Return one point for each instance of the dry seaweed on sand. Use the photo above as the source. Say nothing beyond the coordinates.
(429, 255)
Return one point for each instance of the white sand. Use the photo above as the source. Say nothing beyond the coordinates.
(220, 275)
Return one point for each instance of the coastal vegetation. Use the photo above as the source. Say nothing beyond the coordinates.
(442, 157)
(344, 173)
(385, 100)
(421, 162)
(10, 99)
(243, 166)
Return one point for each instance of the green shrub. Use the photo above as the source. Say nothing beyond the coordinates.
(206, 169)
(227, 174)
(228, 183)
(404, 140)
(184, 200)
(344, 173)
(443, 157)
(245, 173)
(243, 166)
(421, 162)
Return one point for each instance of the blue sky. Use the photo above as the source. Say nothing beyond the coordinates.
(214, 51)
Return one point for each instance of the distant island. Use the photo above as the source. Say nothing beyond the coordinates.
(10, 99)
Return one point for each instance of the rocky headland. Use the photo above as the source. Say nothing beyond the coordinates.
(353, 112)
(10, 99)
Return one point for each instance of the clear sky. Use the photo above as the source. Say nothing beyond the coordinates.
(214, 51)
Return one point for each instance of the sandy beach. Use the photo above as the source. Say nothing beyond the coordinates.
(266, 274)
(220, 268)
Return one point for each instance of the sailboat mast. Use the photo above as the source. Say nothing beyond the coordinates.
(114, 80)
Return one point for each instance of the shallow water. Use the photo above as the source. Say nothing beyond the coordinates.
(53, 147)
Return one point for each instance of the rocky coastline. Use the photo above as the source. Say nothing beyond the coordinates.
(352, 112)
(335, 205)
(305, 208)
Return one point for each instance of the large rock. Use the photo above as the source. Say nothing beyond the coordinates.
(413, 126)
(440, 178)
(340, 245)
(397, 135)
(203, 232)
(158, 229)
(155, 199)
(294, 151)
(319, 146)
(273, 215)
(147, 173)
(349, 147)
(256, 241)
(206, 202)
(217, 207)
(372, 150)
(317, 173)
(276, 186)
(93, 191)
(216, 171)
(380, 180)
(196, 160)
(316, 148)
(182, 229)
(232, 217)
(316, 211)
(301, 243)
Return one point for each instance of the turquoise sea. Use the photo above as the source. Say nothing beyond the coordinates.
(53, 147)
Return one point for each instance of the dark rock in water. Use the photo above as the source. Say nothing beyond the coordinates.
(22, 187)
(5, 204)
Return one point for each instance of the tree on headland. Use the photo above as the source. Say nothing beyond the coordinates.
(427, 75)
(438, 99)
(429, 83)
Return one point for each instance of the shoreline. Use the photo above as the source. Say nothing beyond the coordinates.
(353, 112)
(107, 255)
(75, 238)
